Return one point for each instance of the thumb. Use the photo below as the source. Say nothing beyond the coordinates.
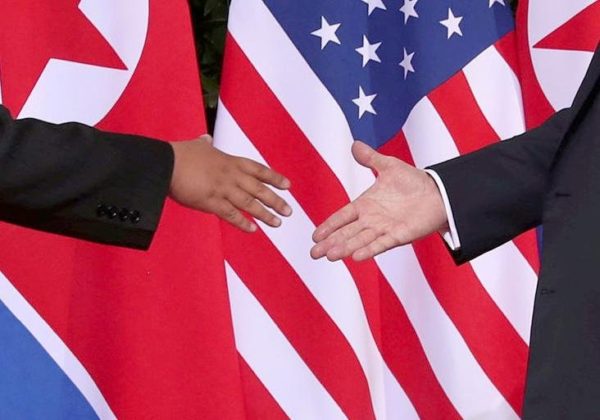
(367, 156)
(207, 138)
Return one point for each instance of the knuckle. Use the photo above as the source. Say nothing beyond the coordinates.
(231, 214)
(280, 203)
(247, 201)
(246, 165)
(226, 169)
(211, 193)
(264, 172)
(261, 191)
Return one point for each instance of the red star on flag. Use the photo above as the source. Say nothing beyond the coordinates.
(34, 31)
(581, 33)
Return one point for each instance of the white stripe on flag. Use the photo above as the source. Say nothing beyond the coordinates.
(428, 138)
(504, 272)
(461, 377)
(501, 269)
(497, 92)
(274, 360)
(55, 348)
(300, 91)
(330, 283)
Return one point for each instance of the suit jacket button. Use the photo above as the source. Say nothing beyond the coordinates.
(124, 214)
(112, 212)
(135, 216)
(100, 210)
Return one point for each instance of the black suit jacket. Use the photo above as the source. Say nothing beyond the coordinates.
(550, 175)
(78, 181)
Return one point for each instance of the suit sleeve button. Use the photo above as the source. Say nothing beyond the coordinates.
(112, 212)
(124, 215)
(100, 210)
(135, 216)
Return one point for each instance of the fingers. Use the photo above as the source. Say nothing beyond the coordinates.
(265, 174)
(339, 219)
(232, 215)
(336, 240)
(374, 248)
(248, 203)
(265, 195)
(367, 244)
(347, 248)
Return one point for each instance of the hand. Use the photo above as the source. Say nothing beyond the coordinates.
(206, 179)
(403, 205)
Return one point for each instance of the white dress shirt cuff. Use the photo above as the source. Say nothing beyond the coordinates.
(450, 236)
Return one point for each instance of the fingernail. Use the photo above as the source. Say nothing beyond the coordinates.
(253, 228)
(286, 183)
(287, 211)
(315, 252)
(276, 221)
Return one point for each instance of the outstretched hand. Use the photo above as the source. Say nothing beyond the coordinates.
(403, 205)
(207, 179)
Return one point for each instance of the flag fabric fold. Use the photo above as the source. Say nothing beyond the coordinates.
(407, 334)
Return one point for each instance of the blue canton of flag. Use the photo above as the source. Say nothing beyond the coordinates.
(378, 59)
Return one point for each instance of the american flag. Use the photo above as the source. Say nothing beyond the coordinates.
(408, 334)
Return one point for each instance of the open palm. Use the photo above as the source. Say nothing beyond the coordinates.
(404, 204)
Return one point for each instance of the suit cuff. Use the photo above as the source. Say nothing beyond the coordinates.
(451, 235)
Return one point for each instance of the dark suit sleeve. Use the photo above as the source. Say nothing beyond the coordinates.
(75, 180)
(498, 192)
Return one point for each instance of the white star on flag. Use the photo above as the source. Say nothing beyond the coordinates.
(492, 2)
(452, 23)
(364, 103)
(374, 4)
(409, 9)
(369, 51)
(406, 63)
(327, 33)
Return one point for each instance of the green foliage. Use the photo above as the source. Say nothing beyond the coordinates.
(210, 23)
(210, 26)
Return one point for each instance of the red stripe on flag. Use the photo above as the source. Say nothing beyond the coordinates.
(402, 352)
(537, 106)
(259, 402)
(309, 329)
(495, 344)
(263, 118)
(491, 338)
(470, 129)
(456, 104)
(507, 47)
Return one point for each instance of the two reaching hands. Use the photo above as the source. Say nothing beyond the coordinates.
(206, 179)
(404, 203)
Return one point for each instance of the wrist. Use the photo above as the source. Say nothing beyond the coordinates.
(448, 227)
(175, 146)
(434, 192)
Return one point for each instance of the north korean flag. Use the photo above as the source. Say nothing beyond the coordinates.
(91, 331)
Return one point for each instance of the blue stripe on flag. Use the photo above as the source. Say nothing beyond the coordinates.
(32, 386)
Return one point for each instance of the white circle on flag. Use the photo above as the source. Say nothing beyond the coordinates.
(559, 72)
(69, 91)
